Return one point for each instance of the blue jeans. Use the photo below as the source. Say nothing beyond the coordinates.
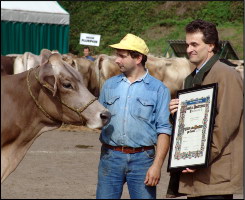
(116, 168)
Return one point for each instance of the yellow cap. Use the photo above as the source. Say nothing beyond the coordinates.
(132, 42)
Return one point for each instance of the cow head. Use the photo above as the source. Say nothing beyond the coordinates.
(66, 85)
(69, 59)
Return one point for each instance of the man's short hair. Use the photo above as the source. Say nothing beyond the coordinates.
(86, 48)
(208, 30)
(136, 54)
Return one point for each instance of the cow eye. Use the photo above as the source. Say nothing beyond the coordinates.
(67, 85)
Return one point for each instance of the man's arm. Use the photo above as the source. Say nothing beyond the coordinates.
(153, 174)
(229, 112)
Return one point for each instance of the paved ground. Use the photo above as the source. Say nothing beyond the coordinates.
(62, 164)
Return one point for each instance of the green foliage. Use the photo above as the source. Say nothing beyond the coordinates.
(220, 12)
(237, 11)
(114, 19)
(216, 11)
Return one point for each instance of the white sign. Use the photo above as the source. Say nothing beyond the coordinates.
(89, 39)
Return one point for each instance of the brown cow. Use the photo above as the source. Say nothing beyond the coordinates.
(84, 66)
(171, 71)
(25, 62)
(87, 70)
(39, 100)
(240, 70)
(237, 64)
(104, 68)
(7, 65)
(69, 59)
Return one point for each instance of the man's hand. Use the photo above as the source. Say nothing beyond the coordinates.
(153, 176)
(173, 105)
(187, 170)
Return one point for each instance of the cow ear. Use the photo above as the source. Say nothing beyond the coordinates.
(48, 75)
(100, 62)
(48, 78)
(45, 54)
(74, 64)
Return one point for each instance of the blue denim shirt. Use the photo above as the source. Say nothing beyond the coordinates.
(139, 111)
(90, 58)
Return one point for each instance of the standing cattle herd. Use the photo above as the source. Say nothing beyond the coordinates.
(49, 89)
(171, 71)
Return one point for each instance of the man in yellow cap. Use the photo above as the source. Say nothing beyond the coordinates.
(138, 104)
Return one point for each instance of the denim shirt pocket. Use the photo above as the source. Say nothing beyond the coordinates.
(144, 108)
(112, 104)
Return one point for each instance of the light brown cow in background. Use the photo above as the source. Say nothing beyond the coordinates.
(86, 69)
(7, 65)
(239, 66)
(240, 70)
(25, 62)
(237, 62)
(105, 67)
(39, 100)
(171, 71)
(68, 58)
(84, 66)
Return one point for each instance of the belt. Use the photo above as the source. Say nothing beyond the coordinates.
(126, 149)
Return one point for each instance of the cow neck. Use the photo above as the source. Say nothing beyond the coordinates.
(29, 85)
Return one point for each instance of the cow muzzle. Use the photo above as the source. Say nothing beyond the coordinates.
(105, 117)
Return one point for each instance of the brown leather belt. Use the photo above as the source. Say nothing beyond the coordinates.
(125, 149)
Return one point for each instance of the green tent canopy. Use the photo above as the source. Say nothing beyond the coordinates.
(30, 26)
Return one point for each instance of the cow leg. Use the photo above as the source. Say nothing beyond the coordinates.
(4, 166)
(5, 163)
(12, 154)
(10, 159)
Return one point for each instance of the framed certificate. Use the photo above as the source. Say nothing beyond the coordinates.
(193, 126)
